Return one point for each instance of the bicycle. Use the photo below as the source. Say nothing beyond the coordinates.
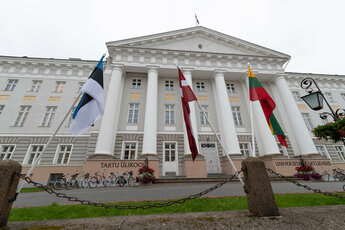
(84, 181)
(339, 174)
(111, 179)
(125, 179)
(100, 180)
(60, 183)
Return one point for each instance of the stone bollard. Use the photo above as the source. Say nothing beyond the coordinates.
(260, 196)
(9, 178)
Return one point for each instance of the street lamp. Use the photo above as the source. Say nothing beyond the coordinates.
(315, 100)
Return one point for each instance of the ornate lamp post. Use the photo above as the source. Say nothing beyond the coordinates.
(315, 100)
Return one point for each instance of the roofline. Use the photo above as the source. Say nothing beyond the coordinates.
(47, 59)
(319, 74)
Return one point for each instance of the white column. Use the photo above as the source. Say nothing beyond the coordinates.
(106, 138)
(295, 120)
(187, 72)
(228, 130)
(150, 126)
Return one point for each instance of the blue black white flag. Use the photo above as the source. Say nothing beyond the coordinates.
(91, 105)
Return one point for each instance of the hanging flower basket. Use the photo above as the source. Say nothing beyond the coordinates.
(306, 171)
(146, 175)
(334, 131)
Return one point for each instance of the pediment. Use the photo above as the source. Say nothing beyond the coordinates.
(198, 39)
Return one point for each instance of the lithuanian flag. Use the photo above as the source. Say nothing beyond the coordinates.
(257, 92)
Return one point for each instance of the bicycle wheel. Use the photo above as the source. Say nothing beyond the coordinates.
(121, 181)
(69, 184)
(93, 182)
(59, 184)
(107, 182)
(325, 176)
(84, 183)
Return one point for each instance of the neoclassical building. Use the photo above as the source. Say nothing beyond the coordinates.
(143, 114)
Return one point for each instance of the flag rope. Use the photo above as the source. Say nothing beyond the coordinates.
(221, 143)
(35, 163)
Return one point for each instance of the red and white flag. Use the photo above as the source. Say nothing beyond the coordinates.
(187, 95)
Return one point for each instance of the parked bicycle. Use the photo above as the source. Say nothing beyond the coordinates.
(125, 179)
(99, 180)
(335, 174)
(62, 183)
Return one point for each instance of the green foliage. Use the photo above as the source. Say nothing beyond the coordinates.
(198, 205)
(334, 131)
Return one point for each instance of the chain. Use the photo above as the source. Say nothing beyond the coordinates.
(305, 186)
(146, 206)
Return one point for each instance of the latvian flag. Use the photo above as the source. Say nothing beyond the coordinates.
(91, 105)
(257, 92)
(187, 95)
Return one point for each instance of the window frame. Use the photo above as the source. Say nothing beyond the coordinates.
(5, 153)
(200, 86)
(296, 96)
(308, 122)
(24, 116)
(136, 83)
(130, 120)
(203, 120)
(171, 114)
(230, 87)
(249, 148)
(176, 151)
(123, 150)
(10, 86)
(341, 157)
(326, 151)
(238, 121)
(2, 108)
(48, 116)
(330, 98)
(35, 87)
(57, 151)
(59, 88)
(169, 85)
(28, 154)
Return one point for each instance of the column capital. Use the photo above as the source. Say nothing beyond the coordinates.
(117, 66)
(279, 76)
(154, 68)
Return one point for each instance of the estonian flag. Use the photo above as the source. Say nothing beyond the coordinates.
(91, 105)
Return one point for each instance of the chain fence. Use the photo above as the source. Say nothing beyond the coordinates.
(117, 206)
(337, 195)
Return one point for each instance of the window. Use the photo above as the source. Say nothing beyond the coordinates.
(6, 152)
(133, 113)
(60, 85)
(80, 85)
(203, 120)
(136, 84)
(169, 114)
(245, 149)
(33, 154)
(11, 84)
(63, 154)
(169, 85)
(343, 96)
(200, 86)
(329, 97)
(129, 151)
(48, 116)
(35, 86)
(308, 121)
(322, 150)
(230, 87)
(1, 108)
(296, 96)
(23, 113)
(170, 152)
(236, 113)
(339, 149)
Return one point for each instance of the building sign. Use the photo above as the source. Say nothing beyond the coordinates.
(135, 95)
(234, 99)
(298, 163)
(123, 164)
(169, 96)
(203, 98)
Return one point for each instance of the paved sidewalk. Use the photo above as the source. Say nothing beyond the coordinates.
(304, 218)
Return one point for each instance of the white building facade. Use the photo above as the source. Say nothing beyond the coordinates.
(143, 114)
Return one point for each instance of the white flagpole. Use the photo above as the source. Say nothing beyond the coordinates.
(35, 163)
(251, 119)
(232, 163)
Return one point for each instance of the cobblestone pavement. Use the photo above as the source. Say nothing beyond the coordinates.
(304, 218)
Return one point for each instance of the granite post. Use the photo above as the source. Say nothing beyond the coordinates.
(261, 201)
(9, 177)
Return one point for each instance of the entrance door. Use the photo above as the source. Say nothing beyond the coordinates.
(170, 159)
(210, 153)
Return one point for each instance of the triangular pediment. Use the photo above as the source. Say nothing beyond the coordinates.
(198, 39)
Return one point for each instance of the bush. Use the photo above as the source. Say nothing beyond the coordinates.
(146, 175)
(334, 131)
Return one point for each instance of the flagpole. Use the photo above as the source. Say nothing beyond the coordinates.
(231, 162)
(251, 118)
(35, 163)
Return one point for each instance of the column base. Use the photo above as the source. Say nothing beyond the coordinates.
(226, 166)
(101, 156)
(149, 156)
(196, 169)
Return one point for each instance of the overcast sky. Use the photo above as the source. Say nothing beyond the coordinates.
(312, 32)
